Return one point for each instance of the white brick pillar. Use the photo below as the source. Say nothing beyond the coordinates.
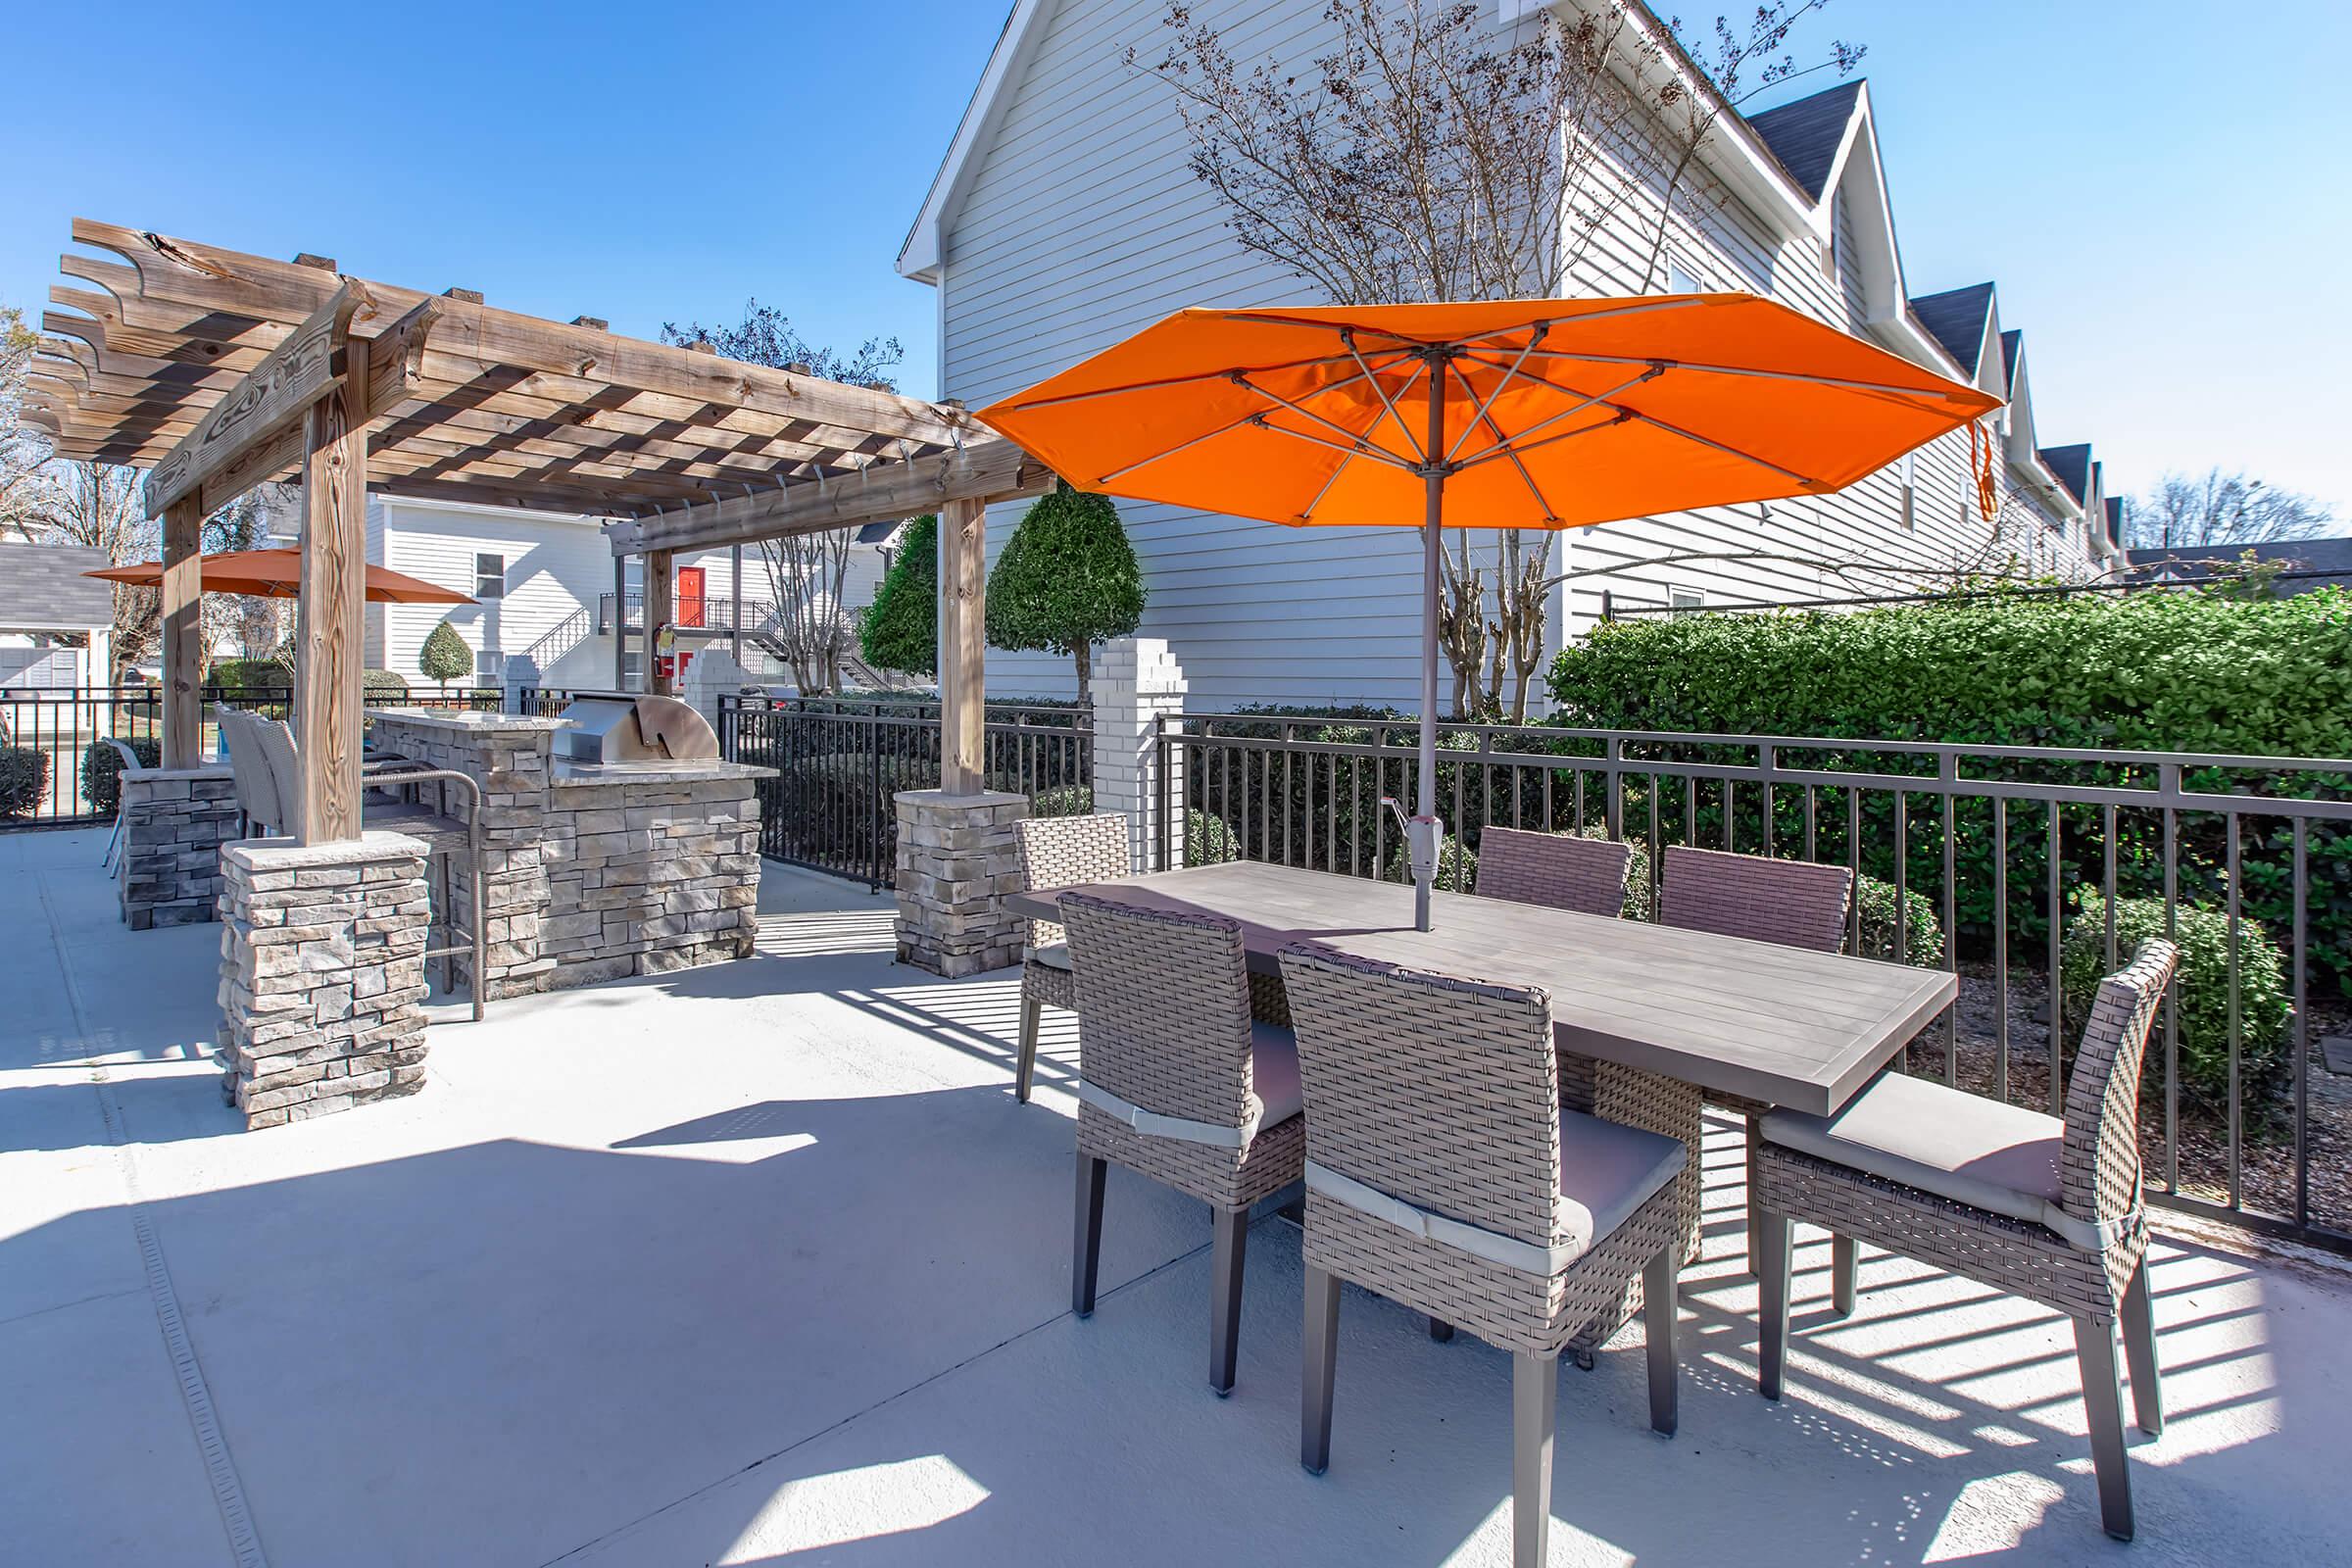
(1136, 680)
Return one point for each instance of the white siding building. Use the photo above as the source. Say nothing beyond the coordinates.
(1064, 218)
(543, 585)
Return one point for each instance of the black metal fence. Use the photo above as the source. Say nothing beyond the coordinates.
(840, 764)
(46, 739)
(2013, 865)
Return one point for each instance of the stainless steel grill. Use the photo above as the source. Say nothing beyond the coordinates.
(616, 728)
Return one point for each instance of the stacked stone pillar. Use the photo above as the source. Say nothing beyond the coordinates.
(321, 975)
(175, 820)
(955, 864)
(1136, 682)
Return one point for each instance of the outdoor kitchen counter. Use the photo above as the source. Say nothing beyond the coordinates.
(594, 871)
(569, 774)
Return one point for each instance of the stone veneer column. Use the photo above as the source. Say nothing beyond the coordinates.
(175, 822)
(956, 863)
(322, 974)
(1135, 681)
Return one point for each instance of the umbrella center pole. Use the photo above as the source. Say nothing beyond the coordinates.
(1422, 833)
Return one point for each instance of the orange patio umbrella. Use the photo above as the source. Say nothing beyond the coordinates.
(277, 574)
(1515, 414)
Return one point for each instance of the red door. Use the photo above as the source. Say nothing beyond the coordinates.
(690, 596)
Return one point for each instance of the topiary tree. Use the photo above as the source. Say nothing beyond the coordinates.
(900, 629)
(1066, 580)
(445, 656)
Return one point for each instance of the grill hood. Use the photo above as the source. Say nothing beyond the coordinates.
(623, 727)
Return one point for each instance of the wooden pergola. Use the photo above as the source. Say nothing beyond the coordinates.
(216, 371)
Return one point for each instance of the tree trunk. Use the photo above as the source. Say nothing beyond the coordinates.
(1084, 657)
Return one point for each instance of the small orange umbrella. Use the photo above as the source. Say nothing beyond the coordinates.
(1519, 413)
(277, 574)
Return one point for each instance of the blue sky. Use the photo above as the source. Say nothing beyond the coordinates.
(2157, 190)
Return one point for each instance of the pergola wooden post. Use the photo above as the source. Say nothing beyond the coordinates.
(331, 627)
(963, 641)
(183, 633)
(661, 607)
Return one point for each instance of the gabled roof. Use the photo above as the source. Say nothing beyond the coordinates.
(1956, 320)
(2114, 518)
(2194, 562)
(1805, 135)
(2011, 341)
(2072, 466)
(42, 588)
(880, 533)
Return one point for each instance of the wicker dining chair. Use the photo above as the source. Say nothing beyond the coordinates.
(1176, 1082)
(1443, 1174)
(1588, 876)
(2042, 1206)
(1558, 870)
(1792, 904)
(1058, 851)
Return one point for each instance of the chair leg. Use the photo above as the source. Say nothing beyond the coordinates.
(1843, 1268)
(1230, 1243)
(1772, 1311)
(1086, 1241)
(1441, 1331)
(1755, 1199)
(1659, 1309)
(2104, 1403)
(1025, 1072)
(1317, 1352)
(2139, 1352)
(1534, 1414)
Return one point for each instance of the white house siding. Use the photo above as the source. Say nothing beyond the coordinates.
(1081, 224)
(557, 569)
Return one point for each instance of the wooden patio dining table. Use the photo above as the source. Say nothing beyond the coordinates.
(1668, 1017)
(1784, 1026)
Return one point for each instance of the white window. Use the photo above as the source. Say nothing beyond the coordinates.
(1910, 490)
(1681, 278)
(489, 576)
(1682, 600)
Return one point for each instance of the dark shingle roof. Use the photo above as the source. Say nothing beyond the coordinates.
(1804, 135)
(42, 588)
(878, 533)
(2115, 519)
(2332, 557)
(1956, 320)
(2011, 342)
(2072, 466)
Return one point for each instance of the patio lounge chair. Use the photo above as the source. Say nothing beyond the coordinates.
(2043, 1208)
(126, 761)
(1794, 904)
(1558, 870)
(1177, 1083)
(1058, 851)
(1443, 1174)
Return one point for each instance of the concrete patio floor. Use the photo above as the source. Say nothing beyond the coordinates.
(762, 1263)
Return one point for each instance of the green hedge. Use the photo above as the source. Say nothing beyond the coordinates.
(2201, 991)
(2166, 671)
(24, 780)
(102, 769)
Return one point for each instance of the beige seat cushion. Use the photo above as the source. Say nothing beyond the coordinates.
(1056, 956)
(1274, 1072)
(1964, 1146)
(1607, 1170)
